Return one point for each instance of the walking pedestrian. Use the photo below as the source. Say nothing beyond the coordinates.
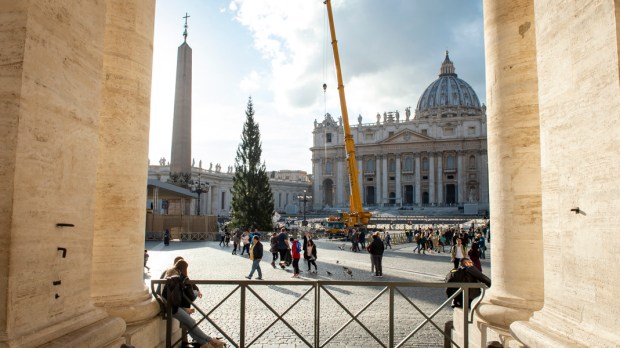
(256, 255)
(296, 254)
(283, 247)
(376, 248)
(388, 240)
(474, 256)
(146, 259)
(311, 255)
(458, 252)
(273, 249)
(245, 243)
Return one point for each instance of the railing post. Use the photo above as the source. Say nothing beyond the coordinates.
(168, 325)
(465, 317)
(317, 313)
(242, 317)
(391, 318)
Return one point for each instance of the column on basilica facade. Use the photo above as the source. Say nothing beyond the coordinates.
(460, 173)
(483, 177)
(117, 271)
(398, 188)
(418, 184)
(514, 171)
(431, 178)
(340, 180)
(378, 186)
(440, 199)
(317, 198)
(384, 177)
(360, 182)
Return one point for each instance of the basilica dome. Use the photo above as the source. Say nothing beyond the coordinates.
(447, 91)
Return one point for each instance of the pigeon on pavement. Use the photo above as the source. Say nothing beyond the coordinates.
(329, 273)
(347, 271)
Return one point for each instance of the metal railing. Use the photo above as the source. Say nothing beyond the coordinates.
(317, 288)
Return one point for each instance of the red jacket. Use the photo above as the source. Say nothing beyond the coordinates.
(295, 249)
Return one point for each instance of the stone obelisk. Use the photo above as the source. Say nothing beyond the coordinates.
(180, 159)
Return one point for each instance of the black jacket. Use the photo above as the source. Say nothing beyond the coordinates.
(257, 252)
(376, 247)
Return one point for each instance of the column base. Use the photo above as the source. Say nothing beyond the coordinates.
(481, 333)
(151, 333)
(133, 309)
(502, 311)
(101, 330)
(546, 329)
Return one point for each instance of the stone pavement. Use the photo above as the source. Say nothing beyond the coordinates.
(208, 261)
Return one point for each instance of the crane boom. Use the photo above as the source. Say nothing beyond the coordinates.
(356, 215)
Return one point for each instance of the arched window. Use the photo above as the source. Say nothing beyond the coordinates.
(392, 166)
(425, 163)
(472, 162)
(408, 164)
(328, 167)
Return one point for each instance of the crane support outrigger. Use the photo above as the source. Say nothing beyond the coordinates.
(356, 216)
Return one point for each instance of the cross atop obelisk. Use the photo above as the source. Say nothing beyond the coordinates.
(185, 31)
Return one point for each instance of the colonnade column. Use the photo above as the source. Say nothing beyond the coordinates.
(514, 158)
(440, 199)
(378, 189)
(117, 271)
(418, 184)
(50, 83)
(384, 178)
(431, 178)
(398, 188)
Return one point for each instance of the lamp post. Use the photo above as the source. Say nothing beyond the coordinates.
(199, 188)
(304, 198)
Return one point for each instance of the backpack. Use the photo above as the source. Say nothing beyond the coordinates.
(455, 276)
(298, 247)
(174, 290)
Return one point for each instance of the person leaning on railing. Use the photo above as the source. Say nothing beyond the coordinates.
(184, 311)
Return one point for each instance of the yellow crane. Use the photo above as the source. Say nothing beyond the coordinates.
(356, 216)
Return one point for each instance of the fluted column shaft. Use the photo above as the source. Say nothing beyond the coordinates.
(514, 158)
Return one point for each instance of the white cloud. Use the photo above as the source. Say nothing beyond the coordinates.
(250, 82)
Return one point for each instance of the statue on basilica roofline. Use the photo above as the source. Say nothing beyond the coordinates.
(193, 162)
(340, 121)
(397, 116)
(359, 119)
(384, 117)
(407, 113)
(200, 164)
(378, 118)
(210, 166)
(315, 123)
(162, 161)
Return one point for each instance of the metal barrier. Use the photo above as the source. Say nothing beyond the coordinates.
(318, 288)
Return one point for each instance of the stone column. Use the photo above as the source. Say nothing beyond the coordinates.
(378, 189)
(399, 188)
(50, 88)
(384, 177)
(483, 174)
(360, 182)
(317, 199)
(117, 270)
(440, 199)
(579, 94)
(431, 178)
(514, 157)
(460, 172)
(340, 174)
(418, 184)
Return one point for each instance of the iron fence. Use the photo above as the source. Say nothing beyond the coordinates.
(318, 289)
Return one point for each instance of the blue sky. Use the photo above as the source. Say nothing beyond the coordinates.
(279, 53)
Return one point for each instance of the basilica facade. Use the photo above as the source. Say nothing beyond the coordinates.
(434, 157)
